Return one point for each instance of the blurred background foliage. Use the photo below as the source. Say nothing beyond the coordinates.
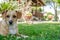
(7, 6)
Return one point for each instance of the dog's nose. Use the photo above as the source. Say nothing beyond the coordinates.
(10, 22)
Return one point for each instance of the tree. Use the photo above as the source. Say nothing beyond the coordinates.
(54, 4)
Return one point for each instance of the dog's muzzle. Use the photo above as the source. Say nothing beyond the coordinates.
(10, 22)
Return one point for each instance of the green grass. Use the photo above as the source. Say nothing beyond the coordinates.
(43, 31)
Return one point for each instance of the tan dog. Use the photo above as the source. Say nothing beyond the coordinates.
(9, 22)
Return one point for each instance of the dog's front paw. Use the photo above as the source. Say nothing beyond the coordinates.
(24, 36)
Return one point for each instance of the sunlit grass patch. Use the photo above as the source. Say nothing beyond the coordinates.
(42, 31)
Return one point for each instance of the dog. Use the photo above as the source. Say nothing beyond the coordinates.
(9, 23)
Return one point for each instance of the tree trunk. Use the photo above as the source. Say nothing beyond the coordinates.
(56, 17)
(55, 8)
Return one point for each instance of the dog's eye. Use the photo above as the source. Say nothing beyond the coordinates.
(14, 16)
(7, 16)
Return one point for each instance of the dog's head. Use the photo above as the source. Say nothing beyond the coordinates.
(11, 16)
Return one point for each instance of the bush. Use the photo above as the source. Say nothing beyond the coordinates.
(7, 6)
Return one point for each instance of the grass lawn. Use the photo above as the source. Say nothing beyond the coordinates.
(45, 31)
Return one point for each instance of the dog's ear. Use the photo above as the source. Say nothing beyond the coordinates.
(4, 13)
(19, 14)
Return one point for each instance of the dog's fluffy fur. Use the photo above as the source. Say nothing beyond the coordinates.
(3, 28)
(7, 27)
